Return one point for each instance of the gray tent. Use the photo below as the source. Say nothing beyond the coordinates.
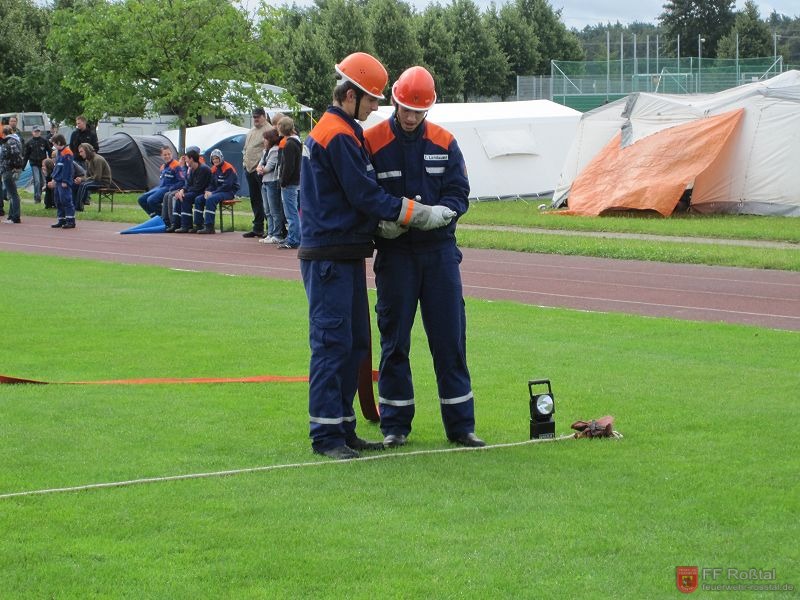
(135, 160)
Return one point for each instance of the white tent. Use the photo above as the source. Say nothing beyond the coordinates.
(206, 136)
(511, 148)
(755, 171)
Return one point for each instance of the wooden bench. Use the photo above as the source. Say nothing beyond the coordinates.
(227, 206)
(107, 194)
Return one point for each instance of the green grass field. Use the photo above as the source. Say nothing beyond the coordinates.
(706, 474)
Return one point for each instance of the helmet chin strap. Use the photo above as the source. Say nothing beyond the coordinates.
(359, 96)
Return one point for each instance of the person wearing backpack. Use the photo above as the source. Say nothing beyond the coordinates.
(11, 163)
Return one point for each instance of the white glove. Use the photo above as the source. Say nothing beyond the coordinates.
(421, 216)
(390, 230)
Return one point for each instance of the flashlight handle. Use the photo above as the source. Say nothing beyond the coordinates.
(534, 382)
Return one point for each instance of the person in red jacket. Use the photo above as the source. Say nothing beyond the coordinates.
(414, 157)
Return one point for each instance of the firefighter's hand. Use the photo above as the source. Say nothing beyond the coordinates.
(390, 230)
(421, 216)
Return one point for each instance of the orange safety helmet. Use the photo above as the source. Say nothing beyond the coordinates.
(414, 89)
(364, 71)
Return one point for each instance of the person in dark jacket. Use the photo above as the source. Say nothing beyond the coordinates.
(414, 157)
(63, 176)
(291, 153)
(223, 186)
(341, 204)
(198, 178)
(36, 150)
(171, 177)
(83, 134)
(10, 157)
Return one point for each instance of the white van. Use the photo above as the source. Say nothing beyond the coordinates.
(27, 120)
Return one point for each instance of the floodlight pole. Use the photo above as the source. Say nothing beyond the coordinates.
(700, 41)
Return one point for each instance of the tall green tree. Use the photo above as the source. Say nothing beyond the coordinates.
(755, 38)
(309, 71)
(484, 64)
(439, 54)
(183, 57)
(556, 42)
(23, 30)
(344, 27)
(695, 19)
(391, 25)
(518, 41)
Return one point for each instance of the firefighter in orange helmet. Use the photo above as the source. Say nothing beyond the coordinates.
(414, 157)
(340, 206)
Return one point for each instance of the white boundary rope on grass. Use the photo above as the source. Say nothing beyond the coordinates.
(318, 463)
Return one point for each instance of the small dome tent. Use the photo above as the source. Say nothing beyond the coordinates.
(135, 160)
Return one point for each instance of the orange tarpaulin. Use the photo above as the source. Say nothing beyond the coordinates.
(653, 172)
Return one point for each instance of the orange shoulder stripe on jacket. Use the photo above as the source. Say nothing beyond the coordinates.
(328, 127)
(378, 136)
(438, 135)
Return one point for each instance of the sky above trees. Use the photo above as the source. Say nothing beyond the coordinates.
(580, 13)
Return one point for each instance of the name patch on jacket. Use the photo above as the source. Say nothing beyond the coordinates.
(435, 156)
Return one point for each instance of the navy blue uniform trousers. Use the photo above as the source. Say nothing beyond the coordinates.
(431, 279)
(339, 338)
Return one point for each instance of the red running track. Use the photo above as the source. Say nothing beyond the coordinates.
(748, 296)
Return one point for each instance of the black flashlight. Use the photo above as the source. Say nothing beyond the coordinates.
(543, 426)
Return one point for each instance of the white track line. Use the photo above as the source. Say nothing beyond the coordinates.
(382, 455)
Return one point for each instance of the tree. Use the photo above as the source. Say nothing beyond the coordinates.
(693, 19)
(183, 57)
(484, 64)
(344, 25)
(439, 54)
(518, 42)
(24, 29)
(556, 42)
(309, 71)
(392, 28)
(755, 39)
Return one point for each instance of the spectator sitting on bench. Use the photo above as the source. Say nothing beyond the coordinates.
(98, 174)
(171, 178)
(198, 178)
(224, 185)
(47, 173)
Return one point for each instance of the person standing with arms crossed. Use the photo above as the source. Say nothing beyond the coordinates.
(341, 206)
(413, 157)
(251, 156)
